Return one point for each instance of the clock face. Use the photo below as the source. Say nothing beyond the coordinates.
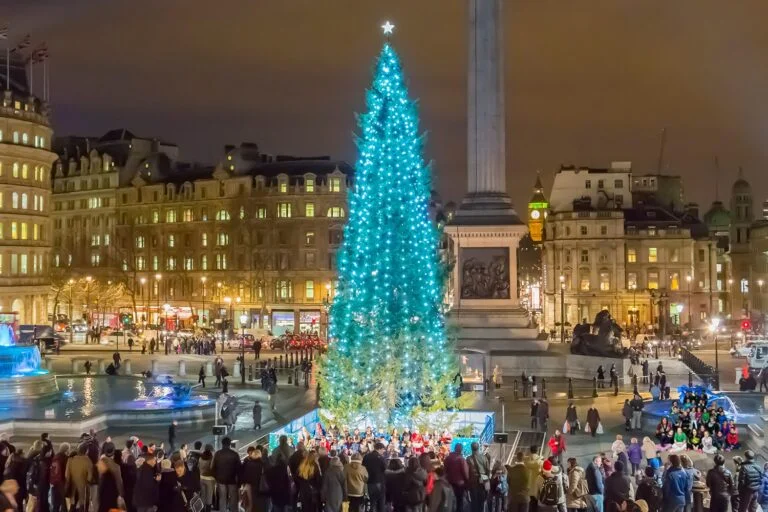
(535, 214)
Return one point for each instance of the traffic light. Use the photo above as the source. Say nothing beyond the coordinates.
(746, 325)
(126, 318)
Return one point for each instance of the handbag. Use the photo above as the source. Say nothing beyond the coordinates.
(566, 427)
(599, 429)
(193, 504)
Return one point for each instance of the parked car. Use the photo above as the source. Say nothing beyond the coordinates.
(277, 343)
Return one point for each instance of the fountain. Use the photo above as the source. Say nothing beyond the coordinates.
(21, 378)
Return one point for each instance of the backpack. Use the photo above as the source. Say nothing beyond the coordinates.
(33, 476)
(652, 493)
(550, 492)
(57, 471)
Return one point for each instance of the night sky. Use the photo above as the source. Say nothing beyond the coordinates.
(588, 81)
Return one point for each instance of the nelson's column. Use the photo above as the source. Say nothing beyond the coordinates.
(486, 230)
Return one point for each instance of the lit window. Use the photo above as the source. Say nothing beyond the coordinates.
(309, 185)
(95, 240)
(336, 212)
(170, 216)
(171, 240)
(674, 281)
(719, 266)
(309, 238)
(242, 212)
(170, 263)
(15, 169)
(283, 187)
(95, 259)
(23, 230)
(283, 289)
(35, 231)
(24, 138)
(631, 255)
(284, 210)
(24, 171)
(653, 280)
(261, 212)
(309, 210)
(23, 264)
(188, 215)
(584, 283)
(674, 256)
(189, 263)
(744, 286)
(221, 261)
(155, 216)
(203, 262)
(653, 255)
(140, 242)
(222, 239)
(204, 239)
(222, 215)
(632, 280)
(334, 185)
(141, 263)
(15, 137)
(15, 200)
(24, 201)
(605, 281)
(309, 290)
(14, 230)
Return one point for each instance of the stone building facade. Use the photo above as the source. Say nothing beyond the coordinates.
(25, 201)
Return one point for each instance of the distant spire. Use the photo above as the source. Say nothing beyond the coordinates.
(538, 185)
(661, 150)
(741, 173)
(717, 178)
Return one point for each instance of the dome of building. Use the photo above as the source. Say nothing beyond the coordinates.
(717, 216)
(741, 186)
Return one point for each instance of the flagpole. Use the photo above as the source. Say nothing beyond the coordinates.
(31, 76)
(8, 63)
(45, 80)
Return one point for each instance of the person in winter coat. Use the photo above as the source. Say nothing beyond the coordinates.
(649, 449)
(256, 415)
(618, 486)
(279, 483)
(58, 477)
(207, 482)
(109, 460)
(596, 482)
(393, 478)
(168, 483)
(721, 485)
(618, 446)
(635, 455)
(334, 486)
(309, 483)
(762, 495)
(677, 485)
(626, 411)
(637, 405)
(187, 484)
(551, 473)
(499, 488)
(356, 477)
(542, 415)
(749, 481)
(78, 476)
(557, 447)
(533, 465)
(457, 474)
(577, 487)
(479, 478)
(649, 490)
(518, 483)
(38, 478)
(108, 489)
(128, 472)
(600, 376)
(414, 490)
(593, 420)
(251, 476)
(572, 419)
(226, 468)
(442, 498)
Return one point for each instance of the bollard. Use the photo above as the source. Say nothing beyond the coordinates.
(690, 379)
(594, 387)
(274, 363)
(250, 372)
(311, 354)
(281, 362)
(296, 376)
(543, 388)
(616, 387)
(182, 368)
(306, 380)
(290, 377)
(514, 389)
(570, 388)
(291, 360)
(634, 385)
(486, 387)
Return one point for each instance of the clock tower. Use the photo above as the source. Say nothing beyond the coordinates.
(537, 212)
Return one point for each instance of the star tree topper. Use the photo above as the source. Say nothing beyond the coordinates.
(388, 28)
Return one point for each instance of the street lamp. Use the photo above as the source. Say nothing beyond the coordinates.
(158, 277)
(243, 322)
(715, 325)
(203, 280)
(228, 301)
(562, 308)
(71, 283)
(88, 280)
(633, 287)
(760, 299)
(690, 313)
(144, 292)
(166, 309)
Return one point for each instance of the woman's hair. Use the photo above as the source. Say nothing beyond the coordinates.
(308, 467)
(395, 464)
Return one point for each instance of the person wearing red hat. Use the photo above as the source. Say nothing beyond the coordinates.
(551, 488)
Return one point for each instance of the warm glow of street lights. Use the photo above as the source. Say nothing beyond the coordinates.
(688, 278)
(203, 279)
(228, 300)
(88, 278)
(143, 280)
(715, 324)
(158, 277)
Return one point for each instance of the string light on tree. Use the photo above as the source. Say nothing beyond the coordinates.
(389, 353)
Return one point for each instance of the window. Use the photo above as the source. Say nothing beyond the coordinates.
(718, 267)
(141, 263)
(631, 256)
(632, 280)
(24, 171)
(309, 238)
(222, 215)
(603, 230)
(334, 185)
(95, 259)
(567, 230)
(600, 184)
(283, 187)
(588, 184)
(585, 256)
(222, 239)
(204, 262)
(336, 212)
(23, 230)
(15, 200)
(188, 215)
(653, 280)
(23, 264)
(284, 210)
(605, 281)
(24, 201)
(14, 230)
(170, 263)
(584, 282)
(261, 212)
(155, 263)
(309, 210)
(283, 289)
(618, 183)
(744, 286)
(170, 216)
(15, 169)
(674, 255)
(674, 281)
(653, 255)
(171, 241)
(603, 257)
(309, 290)
(15, 137)
(567, 255)
(221, 261)
(140, 241)
(309, 185)
(204, 239)
(155, 216)
(309, 260)
(583, 230)
(106, 239)
(95, 240)
(189, 263)
(701, 255)
(335, 236)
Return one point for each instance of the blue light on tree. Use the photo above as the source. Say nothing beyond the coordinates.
(389, 352)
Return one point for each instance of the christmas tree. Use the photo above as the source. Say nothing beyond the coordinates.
(389, 357)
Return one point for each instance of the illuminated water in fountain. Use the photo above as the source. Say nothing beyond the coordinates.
(17, 360)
